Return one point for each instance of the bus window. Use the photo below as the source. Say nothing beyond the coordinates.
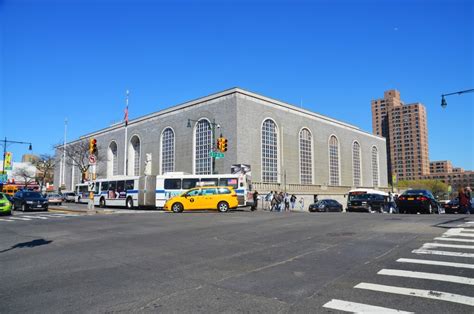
(112, 188)
(172, 184)
(104, 186)
(121, 189)
(129, 185)
(189, 183)
(228, 182)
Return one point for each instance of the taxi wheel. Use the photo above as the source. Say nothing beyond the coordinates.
(223, 207)
(177, 208)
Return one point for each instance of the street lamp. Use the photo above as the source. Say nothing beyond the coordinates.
(5, 141)
(214, 125)
(444, 104)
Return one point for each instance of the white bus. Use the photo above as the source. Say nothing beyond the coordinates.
(82, 193)
(117, 191)
(175, 183)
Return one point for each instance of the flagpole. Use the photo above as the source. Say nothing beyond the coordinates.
(125, 159)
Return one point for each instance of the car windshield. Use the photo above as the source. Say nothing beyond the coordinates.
(32, 194)
(415, 192)
(359, 197)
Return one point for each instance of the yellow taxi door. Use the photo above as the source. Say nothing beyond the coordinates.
(209, 198)
(192, 199)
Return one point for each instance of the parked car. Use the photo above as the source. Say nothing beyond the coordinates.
(28, 200)
(326, 205)
(417, 201)
(367, 202)
(208, 197)
(69, 197)
(55, 199)
(5, 205)
(452, 207)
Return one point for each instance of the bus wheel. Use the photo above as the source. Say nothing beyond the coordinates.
(129, 203)
(223, 207)
(102, 203)
(177, 208)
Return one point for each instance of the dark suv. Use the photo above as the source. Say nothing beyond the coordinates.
(29, 200)
(367, 202)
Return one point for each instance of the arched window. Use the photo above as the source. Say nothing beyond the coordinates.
(269, 151)
(167, 151)
(203, 144)
(356, 163)
(112, 160)
(375, 166)
(333, 161)
(306, 164)
(134, 156)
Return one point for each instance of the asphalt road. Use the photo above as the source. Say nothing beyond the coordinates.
(258, 262)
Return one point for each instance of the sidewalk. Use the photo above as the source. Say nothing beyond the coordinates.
(82, 209)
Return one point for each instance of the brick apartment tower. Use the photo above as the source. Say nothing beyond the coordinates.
(404, 127)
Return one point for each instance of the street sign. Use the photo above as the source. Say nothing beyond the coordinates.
(216, 155)
(92, 159)
(3, 178)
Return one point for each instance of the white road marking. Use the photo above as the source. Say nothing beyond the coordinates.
(18, 218)
(454, 239)
(6, 220)
(457, 232)
(428, 276)
(359, 307)
(34, 217)
(454, 246)
(437, 263)
(470, 222)
(445, 253)
(429, 294)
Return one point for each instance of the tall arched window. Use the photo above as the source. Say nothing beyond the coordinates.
(167, 151)
(134, 156)
(356, 163)
(333, 161)
(269, 151)
(203, 144)
(112, 160)
(306, 164)
(375, 166)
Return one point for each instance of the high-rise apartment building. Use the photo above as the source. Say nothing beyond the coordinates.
(404, 127)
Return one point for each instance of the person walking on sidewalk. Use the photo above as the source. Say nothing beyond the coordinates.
(464, 201)
(255, 201)
(293, 201)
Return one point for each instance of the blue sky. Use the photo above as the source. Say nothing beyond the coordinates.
(75, 59)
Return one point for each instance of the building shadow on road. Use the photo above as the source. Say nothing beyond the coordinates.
(34, 243)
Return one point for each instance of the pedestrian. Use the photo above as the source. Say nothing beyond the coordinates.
(274, 202)
(287, 202)
(268, 200)
(281, 200)
(464, 201)
(255, 201)
(293, 201)
(301, 203)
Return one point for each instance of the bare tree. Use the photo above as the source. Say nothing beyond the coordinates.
(27, 174)
(77, 155)
(44, 169)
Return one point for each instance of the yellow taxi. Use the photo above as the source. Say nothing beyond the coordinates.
(221, 198)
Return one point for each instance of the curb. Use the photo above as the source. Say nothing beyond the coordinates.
(93, 212)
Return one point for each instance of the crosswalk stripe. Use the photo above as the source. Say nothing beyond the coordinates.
(354, 307)
(454, 246)
(18, 218)
(429, 294)
(458, 232)
(428, 276)
(6, 220)
(470, 222)
(437, 263)
(34, 217)
(445, 253)
(453, 239)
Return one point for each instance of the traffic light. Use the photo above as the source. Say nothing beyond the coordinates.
(93, 146)
(223, 145)
(219, 143)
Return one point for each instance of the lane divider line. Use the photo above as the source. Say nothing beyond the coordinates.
(427, 276)
(355, 307)
(437, 263)
(428, 294)
(18, 218)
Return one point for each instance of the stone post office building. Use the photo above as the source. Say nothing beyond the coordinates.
(288, 148)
